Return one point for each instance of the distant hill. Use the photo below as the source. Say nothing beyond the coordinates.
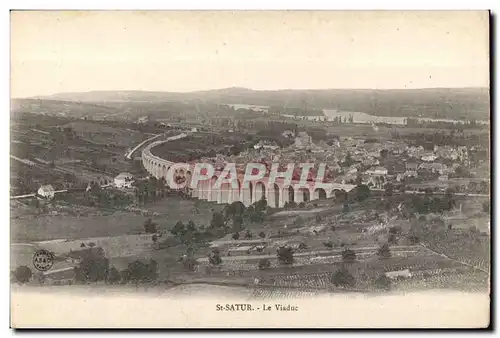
(456, 103)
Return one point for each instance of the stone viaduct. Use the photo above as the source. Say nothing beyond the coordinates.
(248, 192)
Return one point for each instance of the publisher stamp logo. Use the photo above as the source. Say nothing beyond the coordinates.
(43, 260)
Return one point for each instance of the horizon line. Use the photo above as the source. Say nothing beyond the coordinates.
(46, 96)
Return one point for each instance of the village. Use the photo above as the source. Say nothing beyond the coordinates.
(368, 234)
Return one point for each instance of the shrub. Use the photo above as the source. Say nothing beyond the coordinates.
(384, 251)
(343, 277)
(348, 255)
(328, 244)
(113, 276)
(22, 274)
(214, 257)
(392, 239)
(189, 263)
(383, 282)
(285, 255)
(149, 226)
(264, 263)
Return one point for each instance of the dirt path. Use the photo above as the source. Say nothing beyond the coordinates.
(452, 259)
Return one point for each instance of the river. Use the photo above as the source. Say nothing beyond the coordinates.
(358, 117)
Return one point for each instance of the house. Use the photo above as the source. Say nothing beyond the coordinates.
(406, 174)
(443, 178)
(124, 180)
(266, 145)
(434, 167)
(400, 273)
(142, 120)
(352, 170)
(241, 250)
(303, 140)
(377, 171)
(430, 157)
(370, 162)
(194, 130)
(411, 166)
(46, 191)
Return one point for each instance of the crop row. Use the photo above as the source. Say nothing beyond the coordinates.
(277, 293)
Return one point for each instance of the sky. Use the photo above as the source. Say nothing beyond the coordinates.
(62, 51)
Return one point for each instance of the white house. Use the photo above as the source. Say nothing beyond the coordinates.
(142, 119)
(303, 140)
(124, 180)
(428, 157)
(266, 145)
(377, 171)
(401, 273)
(46, 191)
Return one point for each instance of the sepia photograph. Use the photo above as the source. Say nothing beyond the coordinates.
(250, 169)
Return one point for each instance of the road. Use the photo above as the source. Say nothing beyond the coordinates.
(332, 253)
(416, 192)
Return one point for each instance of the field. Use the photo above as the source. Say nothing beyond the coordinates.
(31, 226)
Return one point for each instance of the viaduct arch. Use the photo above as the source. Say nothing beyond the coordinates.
(248, 192)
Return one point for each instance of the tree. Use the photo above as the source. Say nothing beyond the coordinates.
(348, 160)
(140, 272)
(91, 244)
(248, 235)
(392, 239)
(328, 244)
(237, 222)
(358, 180)
(285, 255)
(261, 205)
(384, 251)
(191, 227)
(189, 263)
(125, 276)
(150, 226)
(384, 153)
(217, 220)
(396, 230)
(383, 282)
(303, 246)
(389, 188)
(113, 276)
(179, 229)
(214, 257)
(346, 207)
(235, 209)
(23, 274)
(362, 192)
(486, 207)
(412, 238)
(343, 277)
(264, 263)
(236, 236)
(93, 267)
(262, 234)
(348, 255)
(318, 219)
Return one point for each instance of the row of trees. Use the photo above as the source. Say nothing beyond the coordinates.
(95, 267)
